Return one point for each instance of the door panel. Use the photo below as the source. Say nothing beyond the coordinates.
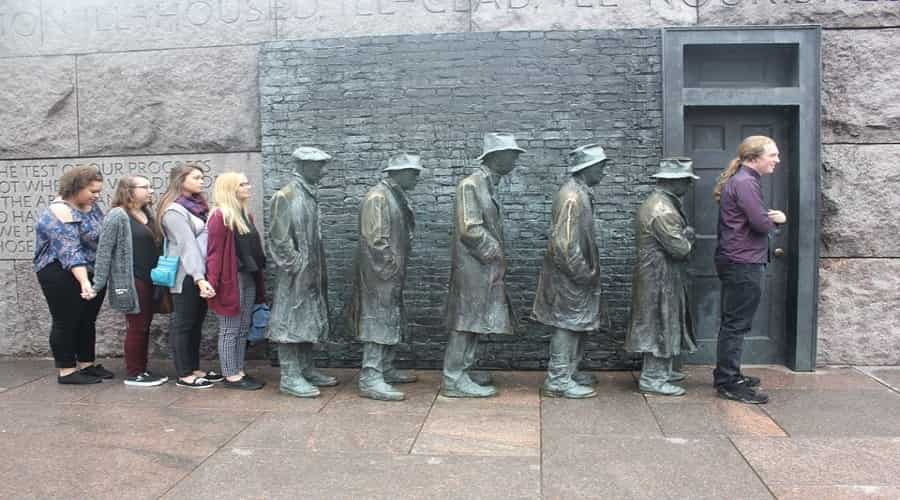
(712, 136)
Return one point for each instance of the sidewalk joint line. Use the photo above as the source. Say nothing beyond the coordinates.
(755, 472)
(217, 450)
(655, 416)
(774, 420)
(877, 379)
(427, 415)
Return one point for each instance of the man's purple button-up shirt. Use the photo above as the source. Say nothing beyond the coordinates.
(744, 222)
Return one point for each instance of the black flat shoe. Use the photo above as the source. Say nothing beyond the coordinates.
(244, 384)
(78, 378)
(98, 371)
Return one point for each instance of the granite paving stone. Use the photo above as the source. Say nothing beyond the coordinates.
(45, 473)
(288, 474)
(714, 417)
(836, 492)
(189, 435)
(835, 413)
(16, 372)
(618, 410)
(505, 425)
(360, 432)
(831, 461)
(576, 466)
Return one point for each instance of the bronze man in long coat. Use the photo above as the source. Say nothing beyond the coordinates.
(377, 315)
(299, 316)
(661, 325)
(478, 303)
(568, 293)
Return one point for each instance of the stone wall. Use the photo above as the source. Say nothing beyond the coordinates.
(131, 81)
(366, 98)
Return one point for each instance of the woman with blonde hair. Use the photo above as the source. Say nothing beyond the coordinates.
(742, 253)
(65, 248)
(129, 248)
(235, 263)
(182, 214)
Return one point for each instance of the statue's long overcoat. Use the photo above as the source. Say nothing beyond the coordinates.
(386, 227)
(661, 321)
(300, 308)
(477, 302)
(568, 292)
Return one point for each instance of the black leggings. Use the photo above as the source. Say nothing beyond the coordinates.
(185, 327)
(73, 332)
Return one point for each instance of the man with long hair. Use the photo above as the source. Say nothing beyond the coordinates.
(742, 254)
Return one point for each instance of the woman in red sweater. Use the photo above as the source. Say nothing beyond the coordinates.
(234, 267)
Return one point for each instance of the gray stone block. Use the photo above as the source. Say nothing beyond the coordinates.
(829, 13)
(858, 189)
(192, 100)
(79, 26)
(318, 19)
(860, 99)
(27, 186)
(9, 309)
(858, 311)
(37, 107)
(578, 15)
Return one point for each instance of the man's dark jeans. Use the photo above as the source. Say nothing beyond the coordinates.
(741, 291)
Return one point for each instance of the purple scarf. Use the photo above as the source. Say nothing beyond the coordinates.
(195, 204)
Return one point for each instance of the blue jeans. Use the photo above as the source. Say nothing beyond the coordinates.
(741, 291)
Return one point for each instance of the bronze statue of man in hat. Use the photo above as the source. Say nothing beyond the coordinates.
(299, 317)
(377, 315)
(568, 293)
(477, 303)
(661, 324)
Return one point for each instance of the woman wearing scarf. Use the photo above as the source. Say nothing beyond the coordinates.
(182, 214)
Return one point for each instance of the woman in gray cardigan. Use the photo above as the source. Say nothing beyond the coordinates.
(128, 249)
(182, 214)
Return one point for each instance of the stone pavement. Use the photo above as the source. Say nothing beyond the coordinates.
(832, 434)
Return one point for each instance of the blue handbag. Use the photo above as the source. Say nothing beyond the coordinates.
(166, 268)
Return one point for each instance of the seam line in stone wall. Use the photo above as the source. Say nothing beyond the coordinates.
(130, 155)
(861, 143)
(860, 28)
(858, 257)
(77, 105)
(157, 49)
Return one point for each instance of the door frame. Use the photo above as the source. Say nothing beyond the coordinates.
(804, 190)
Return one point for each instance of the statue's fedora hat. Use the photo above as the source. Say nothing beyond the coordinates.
(404, 161)
(494, 142)
(586, 156)
(675, 168)
(308, 153)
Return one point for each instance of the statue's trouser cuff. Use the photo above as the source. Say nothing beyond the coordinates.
(291, 361)
(563, 351)
(459, 356)
(655, 371)
(373, 363)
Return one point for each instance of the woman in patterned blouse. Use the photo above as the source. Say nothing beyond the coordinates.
(66, 236)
